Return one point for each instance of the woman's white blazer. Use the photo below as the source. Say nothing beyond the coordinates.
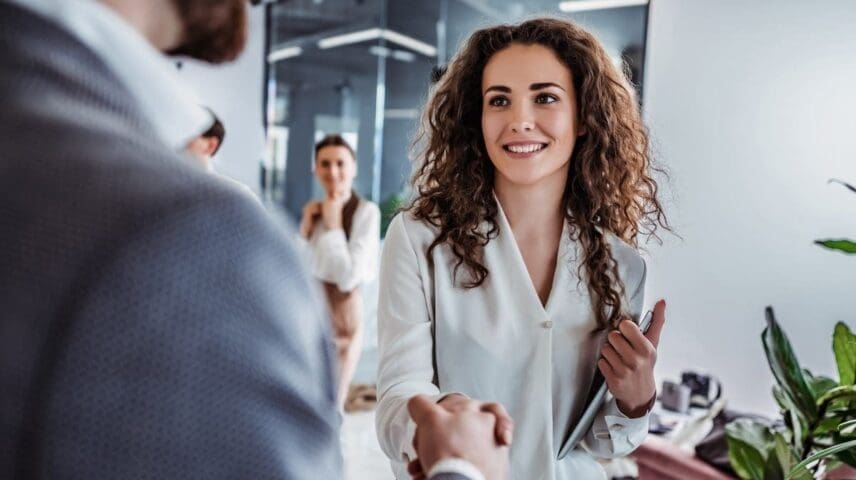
(498, 343)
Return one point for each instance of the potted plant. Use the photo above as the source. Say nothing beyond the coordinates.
(819, 432)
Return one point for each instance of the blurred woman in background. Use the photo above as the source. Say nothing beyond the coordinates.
(343, 234)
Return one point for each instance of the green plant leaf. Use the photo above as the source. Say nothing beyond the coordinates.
(749, 446)
(826, 452)
(827, 425)
(786, 458)
(844, 425)
(844, 346)
(819, 384)
(773, 469)
(846, 392)
(847, 456)
(846, 246)
(746, 460)
(779, 395)
(786, 368)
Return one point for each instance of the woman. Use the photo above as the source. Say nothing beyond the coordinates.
(343, 233)
(510, 276)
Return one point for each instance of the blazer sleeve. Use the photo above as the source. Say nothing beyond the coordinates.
(405, 343)
(350, 263)
(612, 433)
(196, 349)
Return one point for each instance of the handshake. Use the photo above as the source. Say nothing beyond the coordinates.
(459, 428)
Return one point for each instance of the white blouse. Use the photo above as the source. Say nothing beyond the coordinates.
(347, 262)
(497, 343)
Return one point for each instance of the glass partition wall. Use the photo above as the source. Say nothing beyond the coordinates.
(363, 68)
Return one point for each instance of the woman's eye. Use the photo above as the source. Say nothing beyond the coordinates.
(498, 101)
(546, 98)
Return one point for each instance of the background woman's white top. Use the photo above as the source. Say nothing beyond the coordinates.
(347, 262)
(498, 343)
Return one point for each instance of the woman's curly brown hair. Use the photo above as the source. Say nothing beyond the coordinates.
(609, 186)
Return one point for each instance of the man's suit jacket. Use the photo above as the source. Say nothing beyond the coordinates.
(155, 322)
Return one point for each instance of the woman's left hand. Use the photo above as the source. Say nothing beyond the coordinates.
(331, 211)
(627, 363)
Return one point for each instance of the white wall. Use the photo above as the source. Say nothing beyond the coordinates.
(234, 92)
(752, 106)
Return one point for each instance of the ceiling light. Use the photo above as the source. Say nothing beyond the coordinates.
(349, 38)
(377, 33)
(283, 53)
(586, 5)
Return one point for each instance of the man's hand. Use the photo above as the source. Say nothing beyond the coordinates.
(627, 363)
(468, 433)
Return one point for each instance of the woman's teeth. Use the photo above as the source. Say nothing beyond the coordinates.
(533, 147)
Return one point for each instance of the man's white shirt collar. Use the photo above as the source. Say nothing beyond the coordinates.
(151, 78)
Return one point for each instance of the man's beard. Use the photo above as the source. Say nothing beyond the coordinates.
(215, 31)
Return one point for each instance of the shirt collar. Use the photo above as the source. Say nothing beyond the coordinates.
(151, 78)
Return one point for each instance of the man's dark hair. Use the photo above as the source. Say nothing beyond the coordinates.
(216, 130)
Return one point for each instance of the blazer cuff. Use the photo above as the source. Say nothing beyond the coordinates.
(458, 466)
(626, 433)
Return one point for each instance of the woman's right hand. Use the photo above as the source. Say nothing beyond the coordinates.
(311, 211)
(504, 424)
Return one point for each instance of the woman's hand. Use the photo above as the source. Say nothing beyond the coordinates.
(311, 211)
(627, 363)
(331, 211)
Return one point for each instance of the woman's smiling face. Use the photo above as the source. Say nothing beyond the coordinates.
(529, 115)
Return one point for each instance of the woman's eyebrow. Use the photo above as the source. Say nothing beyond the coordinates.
(498, 88)
(543, 85)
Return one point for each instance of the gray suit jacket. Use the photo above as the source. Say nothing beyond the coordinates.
(154, 323)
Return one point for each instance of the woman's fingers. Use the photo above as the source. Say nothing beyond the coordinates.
(615, 362)
(621, 346)
(504, 429)
(607, 371)
(659, 319)
(630, 331)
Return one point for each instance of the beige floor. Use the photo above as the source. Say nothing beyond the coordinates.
(364, 459)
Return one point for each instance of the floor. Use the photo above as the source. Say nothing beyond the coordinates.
(363, 458)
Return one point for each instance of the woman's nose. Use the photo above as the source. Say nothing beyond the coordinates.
(521, 120)
(522, 126)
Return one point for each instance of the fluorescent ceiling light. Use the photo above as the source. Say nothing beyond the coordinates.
(586, 5)
(410, 42)
(389, 52)
(283, 53)
(349, 38)
(377, 33)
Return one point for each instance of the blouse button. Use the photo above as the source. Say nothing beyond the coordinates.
(547, 324)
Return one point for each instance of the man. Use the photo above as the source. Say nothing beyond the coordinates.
(205, 146)
(155, 324)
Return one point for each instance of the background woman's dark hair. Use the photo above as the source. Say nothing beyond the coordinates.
(350, 207)
(609, 188)
(334, 140)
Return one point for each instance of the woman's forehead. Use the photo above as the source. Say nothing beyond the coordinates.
(520, 66)
(334, 152)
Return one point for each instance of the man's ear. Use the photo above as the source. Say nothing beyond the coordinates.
(212, 144)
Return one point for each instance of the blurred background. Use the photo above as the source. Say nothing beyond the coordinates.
(750, 106)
